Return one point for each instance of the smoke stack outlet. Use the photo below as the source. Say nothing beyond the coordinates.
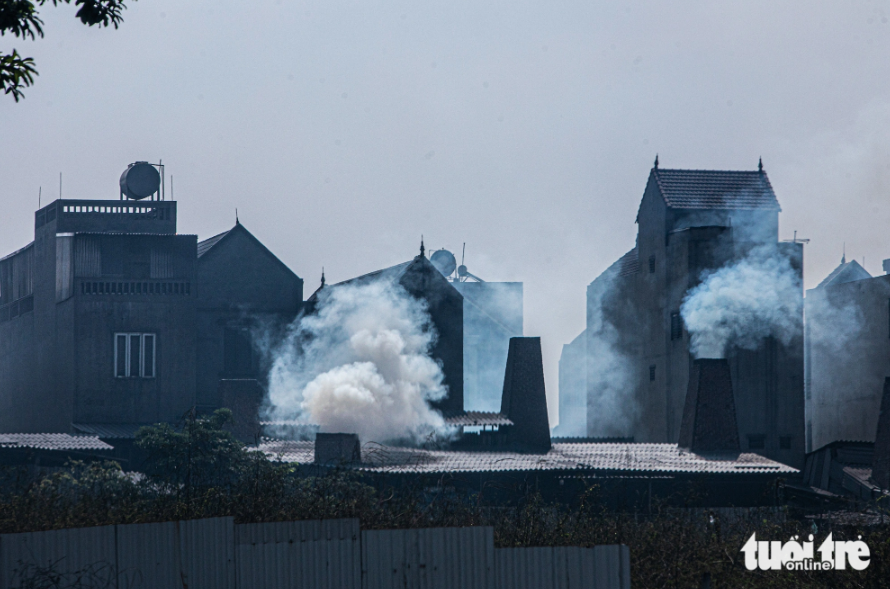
(709, 418)
(524, 400)
(337, 449)
(880, 462)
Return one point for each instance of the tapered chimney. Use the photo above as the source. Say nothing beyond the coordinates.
(709, 420)
(880, 461)
(524, 400)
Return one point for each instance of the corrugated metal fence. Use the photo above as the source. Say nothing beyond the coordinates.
(217, 554)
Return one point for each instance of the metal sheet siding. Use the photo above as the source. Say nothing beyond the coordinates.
(208, 553)
(310, 554)
(88, 552)
(430, 558)
(601, 567)
(148, 556)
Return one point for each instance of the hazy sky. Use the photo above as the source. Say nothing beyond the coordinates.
(342, 131)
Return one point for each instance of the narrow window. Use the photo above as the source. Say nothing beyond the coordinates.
(676, 326)
(652, 372)
(652, 264)
(756, 441)
(148, 362)
(120, 355)
(135, 354)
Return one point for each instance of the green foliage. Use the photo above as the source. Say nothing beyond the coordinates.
(200, 470)
(20, 18)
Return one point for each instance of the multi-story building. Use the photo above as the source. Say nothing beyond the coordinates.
(690, 222)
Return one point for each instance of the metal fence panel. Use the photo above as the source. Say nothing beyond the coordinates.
(317, 553)
(87, 554)
(602, 567)
(431, 558)
(148, 556)
(208, 553)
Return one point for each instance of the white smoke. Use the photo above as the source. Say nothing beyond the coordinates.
(742, 303)
(360, 364)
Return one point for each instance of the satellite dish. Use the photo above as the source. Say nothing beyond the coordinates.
(140, 180)
(444, 262)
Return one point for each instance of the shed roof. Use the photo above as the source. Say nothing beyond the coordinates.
(641, 458)
(53, 442)
(110, 431)
(715, 189)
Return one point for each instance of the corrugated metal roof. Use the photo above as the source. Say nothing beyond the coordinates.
(204, 246)
(110, 431)
(715, 189)
(666, 458)
(53, 442)
(470, 418)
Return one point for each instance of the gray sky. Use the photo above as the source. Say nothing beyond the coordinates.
(343, 130)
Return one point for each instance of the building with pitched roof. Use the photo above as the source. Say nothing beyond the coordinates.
(638, 360)
(847, 345)
(110, 319)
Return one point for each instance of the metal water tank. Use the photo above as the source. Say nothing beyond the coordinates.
(140, 180)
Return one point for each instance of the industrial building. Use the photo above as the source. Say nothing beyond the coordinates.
(847, 354)
(110, 319)
(636, 345)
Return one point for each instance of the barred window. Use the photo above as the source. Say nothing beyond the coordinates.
(652, 372)
(134, 355)
(676, 326)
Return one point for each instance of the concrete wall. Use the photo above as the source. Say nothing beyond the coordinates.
(848, 357)
(573, 389)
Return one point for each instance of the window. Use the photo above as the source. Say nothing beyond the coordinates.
(652, 264)
(676, 326)
(784, 442)
(756, 441)
(652, 372)
(134, 355)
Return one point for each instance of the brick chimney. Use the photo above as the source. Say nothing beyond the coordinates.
(880, 461)
(337, 449)
(524, 400)
(709, 419)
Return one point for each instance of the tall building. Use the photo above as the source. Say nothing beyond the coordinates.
(110, 319)
(690, 222)
(847, 354)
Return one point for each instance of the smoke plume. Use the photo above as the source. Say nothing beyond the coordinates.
(744, 302)
(360, 364)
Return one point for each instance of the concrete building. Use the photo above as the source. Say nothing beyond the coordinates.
(638, 360)
(111, 318)
(847, 355)
(573, 389)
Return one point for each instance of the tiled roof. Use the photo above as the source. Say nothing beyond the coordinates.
(846, 272)
(204, 246)
(643, 458)
(629, 263)
(715, 189)
(109, 431)
(470, 418)
(53, 442)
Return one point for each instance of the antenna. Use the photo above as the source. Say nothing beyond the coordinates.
(463, 254)
(39, 194)
(171, 187)
(237, 222)
(60, 185)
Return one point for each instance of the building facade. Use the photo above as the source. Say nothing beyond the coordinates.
(847, 355)
(690, 222)
(111, 318)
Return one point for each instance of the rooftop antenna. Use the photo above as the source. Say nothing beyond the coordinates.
(463, 253)
(171, 186)
(39, 194)
(237, 222)
(656, 161)
(844, 258)
(60, 185)
(322, 275)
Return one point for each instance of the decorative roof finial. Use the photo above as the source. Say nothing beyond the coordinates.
(656, 161)
(237, 222)
(322, 276)
(760, 165)
(844, 257)
(422, 250)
